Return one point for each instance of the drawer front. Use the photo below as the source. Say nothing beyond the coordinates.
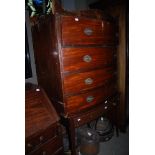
(40, 139)
(50, 148)
(89, 116)
(80, 102)
(101, 109)
(84, 31)
(76, 83)
(83, 58)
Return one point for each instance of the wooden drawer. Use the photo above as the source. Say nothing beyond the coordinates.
(33, 142)
(75, 83)
(84, 31)
(83, 58)
(80, 102)
(52, 147)
(99, 110)
(88, 116)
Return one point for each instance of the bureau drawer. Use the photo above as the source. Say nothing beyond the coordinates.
(53, 147)
(103, 109)
(84, 31)
(33, 142)
(79, 102)
(77, 58)
(75, 83)
(90, 115)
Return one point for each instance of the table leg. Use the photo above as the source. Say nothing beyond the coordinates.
(72, 137)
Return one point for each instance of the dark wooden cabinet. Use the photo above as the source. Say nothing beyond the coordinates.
(76, 62)
(43, 132)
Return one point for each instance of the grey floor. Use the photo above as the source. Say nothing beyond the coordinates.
(116, 145)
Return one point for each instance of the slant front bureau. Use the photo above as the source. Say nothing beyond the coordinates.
(76, 64)
(43, 133)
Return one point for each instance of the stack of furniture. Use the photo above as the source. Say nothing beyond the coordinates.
(76, 63)
(43, 132)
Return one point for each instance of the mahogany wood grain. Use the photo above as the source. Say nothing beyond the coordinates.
(50, 148)
(103, 32)
(73, 58)
(39, 113)
(75, 83)
(47, 64)
(42, 129)
(79, 102)
(90, 115)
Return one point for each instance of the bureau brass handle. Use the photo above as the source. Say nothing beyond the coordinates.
(105, 107)
(88, 31)
(88, 81)
(87, 58)
(41, 138)
(89, 99)
(78, 119)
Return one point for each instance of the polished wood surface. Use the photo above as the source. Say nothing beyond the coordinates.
(75, 83)
(79, 102)
(42, 131)
(50, 148)
(102, 32)
(39, 113)
(109, 103)
(73, 58)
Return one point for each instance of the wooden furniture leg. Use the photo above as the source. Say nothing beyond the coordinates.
(72, 137)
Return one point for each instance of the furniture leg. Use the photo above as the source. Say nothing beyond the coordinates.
(72, 137)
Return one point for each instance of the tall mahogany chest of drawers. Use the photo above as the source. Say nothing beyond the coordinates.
(76, 63)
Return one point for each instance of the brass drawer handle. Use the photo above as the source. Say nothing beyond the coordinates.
(88, 81)
(105, 107)
(89, 99)
(79, 119)
(87, 58)
(106, 102)
(41, 138)
(88, 31)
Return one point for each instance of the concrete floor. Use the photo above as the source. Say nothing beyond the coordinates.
(116, 145)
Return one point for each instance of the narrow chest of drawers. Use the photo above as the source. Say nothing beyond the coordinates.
(88, 61)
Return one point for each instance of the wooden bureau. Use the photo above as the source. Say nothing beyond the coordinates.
(76, 63)
(43, 133)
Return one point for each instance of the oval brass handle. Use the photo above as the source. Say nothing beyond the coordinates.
(88, 31)
(87, 58)
(41, 138)
(89, 99)
(105, 107)
(88, 81)
(78, 119)
(106, 102)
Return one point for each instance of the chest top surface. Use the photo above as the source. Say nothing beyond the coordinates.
(39, 112)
